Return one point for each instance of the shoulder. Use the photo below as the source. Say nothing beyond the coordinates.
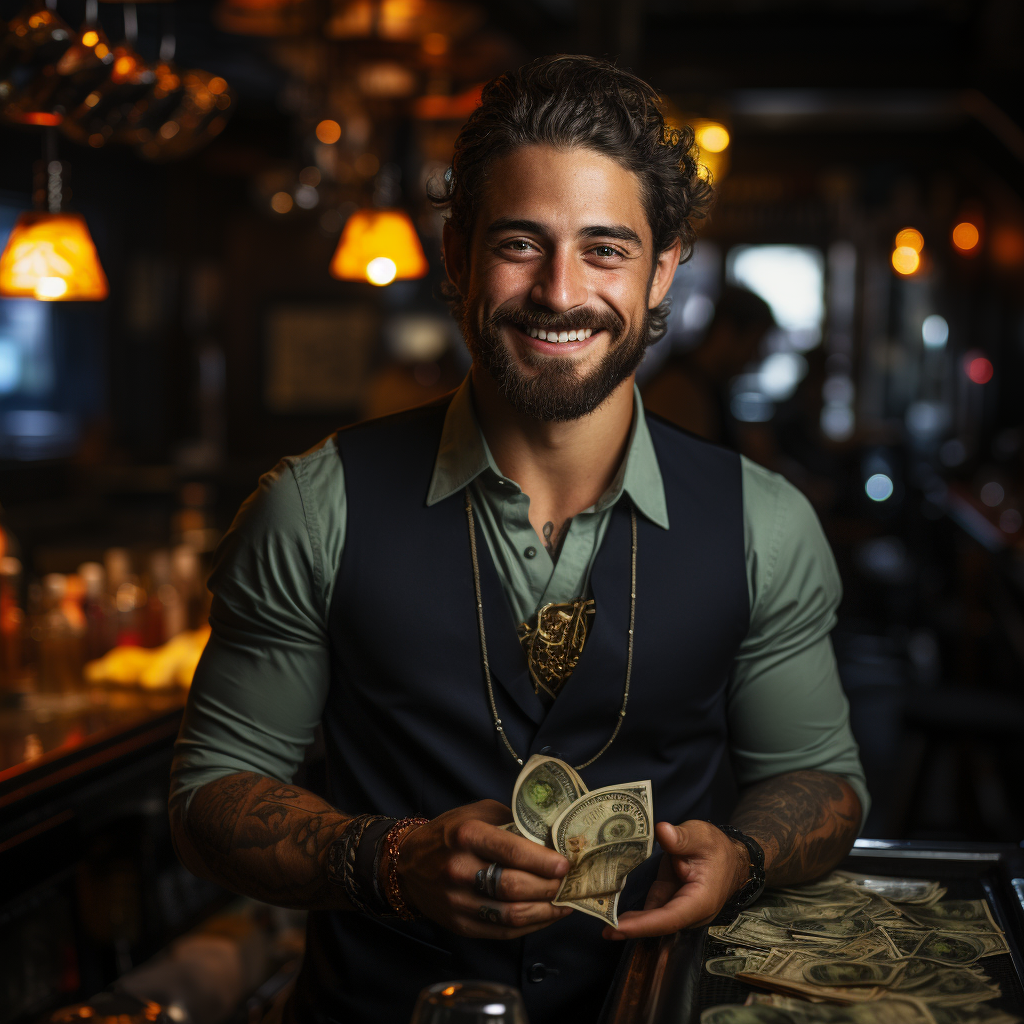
(674, 439)
(783, 535)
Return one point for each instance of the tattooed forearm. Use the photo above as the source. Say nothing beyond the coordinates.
(259, 837)
(805, 821)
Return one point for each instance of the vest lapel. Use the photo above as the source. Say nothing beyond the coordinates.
(505, 654)
(585, 712)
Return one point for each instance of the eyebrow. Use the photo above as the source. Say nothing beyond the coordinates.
(617, 231)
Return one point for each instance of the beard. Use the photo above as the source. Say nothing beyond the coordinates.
(556, 392)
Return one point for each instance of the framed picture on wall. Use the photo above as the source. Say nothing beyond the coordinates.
(317, 357)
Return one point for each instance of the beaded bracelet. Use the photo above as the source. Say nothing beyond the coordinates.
(388, 855)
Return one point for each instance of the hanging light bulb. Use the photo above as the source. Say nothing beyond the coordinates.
(51, 256)
(379, 246)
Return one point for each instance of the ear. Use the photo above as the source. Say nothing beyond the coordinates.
(664, 271)
(456, 263)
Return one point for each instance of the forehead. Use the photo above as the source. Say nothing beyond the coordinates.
(566, 190)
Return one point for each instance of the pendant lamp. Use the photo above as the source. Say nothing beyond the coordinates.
(51, 256)
(379, 246)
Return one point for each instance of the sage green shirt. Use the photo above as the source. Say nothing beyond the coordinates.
(261, 685)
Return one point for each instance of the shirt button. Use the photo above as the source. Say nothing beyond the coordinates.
(530, 552)
(537, 973)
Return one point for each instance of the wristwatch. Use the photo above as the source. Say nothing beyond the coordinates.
(754, 885)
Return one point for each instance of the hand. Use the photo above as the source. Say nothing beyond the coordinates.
(702, 867)
(437, 869)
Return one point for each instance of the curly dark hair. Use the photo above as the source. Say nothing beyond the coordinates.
(571, 101)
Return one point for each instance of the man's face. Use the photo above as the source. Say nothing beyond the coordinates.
(561, 247)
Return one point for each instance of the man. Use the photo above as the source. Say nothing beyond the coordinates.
(374, 585)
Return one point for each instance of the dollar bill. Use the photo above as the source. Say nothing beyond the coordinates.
(777, 1009)
(752, 930)
(896, 890)
(824, 924)
(545, 788)
(513, 828)
(948, 986)
(601, 872)
(730, 966)
(807, 974)
(960, 948)
(609, 815)
(604, 835)
(604, 906)
(954, 916)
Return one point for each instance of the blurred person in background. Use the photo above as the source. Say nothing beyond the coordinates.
(692, 388)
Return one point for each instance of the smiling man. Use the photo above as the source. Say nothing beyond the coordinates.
(389, 584)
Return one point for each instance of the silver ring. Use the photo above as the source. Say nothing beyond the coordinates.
(481, 882)
(492, 879)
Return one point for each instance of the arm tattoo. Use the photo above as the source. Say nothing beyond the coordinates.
(806, 822)
(267, 840)
(552, 540)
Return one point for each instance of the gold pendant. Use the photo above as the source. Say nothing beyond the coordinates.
(554, 643)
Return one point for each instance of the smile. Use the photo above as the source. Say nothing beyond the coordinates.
(559, 337)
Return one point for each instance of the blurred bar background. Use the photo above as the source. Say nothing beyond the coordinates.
(217, 249)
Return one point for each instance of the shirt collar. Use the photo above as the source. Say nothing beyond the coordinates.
(463, 455)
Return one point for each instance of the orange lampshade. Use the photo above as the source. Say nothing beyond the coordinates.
(379, 246)
(51, 256)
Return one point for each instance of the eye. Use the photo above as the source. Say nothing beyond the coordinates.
(605, 251)
(518, 245)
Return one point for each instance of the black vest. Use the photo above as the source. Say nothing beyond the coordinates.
(408, 729)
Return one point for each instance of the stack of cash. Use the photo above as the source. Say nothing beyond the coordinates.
(603, 834)
(878, 949)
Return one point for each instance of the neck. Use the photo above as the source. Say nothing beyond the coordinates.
(563, 467)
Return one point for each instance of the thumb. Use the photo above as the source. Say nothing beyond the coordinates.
(673, 839)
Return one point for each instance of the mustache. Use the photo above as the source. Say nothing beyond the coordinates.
(570, 320)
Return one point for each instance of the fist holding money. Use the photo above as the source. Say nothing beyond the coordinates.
(603, 834)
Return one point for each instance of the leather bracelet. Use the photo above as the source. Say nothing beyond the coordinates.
(754, 885)
(388, 852)
(343, 863)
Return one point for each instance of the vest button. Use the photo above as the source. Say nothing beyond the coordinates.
(537, 973)
(530, 552)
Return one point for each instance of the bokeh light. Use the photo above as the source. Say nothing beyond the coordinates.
(911, 238)
(905, 260)
(381, 271)
(281, 202)
(713, 137)
(878, 487)
(978, 368)
(328, 132)
(966, 236)
(934, 331)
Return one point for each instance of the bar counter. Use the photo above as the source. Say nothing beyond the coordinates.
(90, 885)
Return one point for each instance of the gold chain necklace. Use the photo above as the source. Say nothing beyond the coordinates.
(483, 641)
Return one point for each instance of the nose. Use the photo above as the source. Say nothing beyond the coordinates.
(561, 283)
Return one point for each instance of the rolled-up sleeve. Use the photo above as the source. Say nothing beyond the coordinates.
(261, 684)
(787, 709)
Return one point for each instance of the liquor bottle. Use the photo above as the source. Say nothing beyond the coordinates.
(99, 609)
(12, 623)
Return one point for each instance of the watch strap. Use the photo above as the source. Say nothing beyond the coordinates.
(754, 885)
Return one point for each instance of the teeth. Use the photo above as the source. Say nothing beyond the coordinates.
(559, 337)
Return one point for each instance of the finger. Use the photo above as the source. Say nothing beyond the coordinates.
(673, 839)
(494, 812)
(513, 916)
(493, 844)
(679, 913)
(522, 886)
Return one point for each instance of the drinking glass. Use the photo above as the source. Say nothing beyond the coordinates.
(469, 1002)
